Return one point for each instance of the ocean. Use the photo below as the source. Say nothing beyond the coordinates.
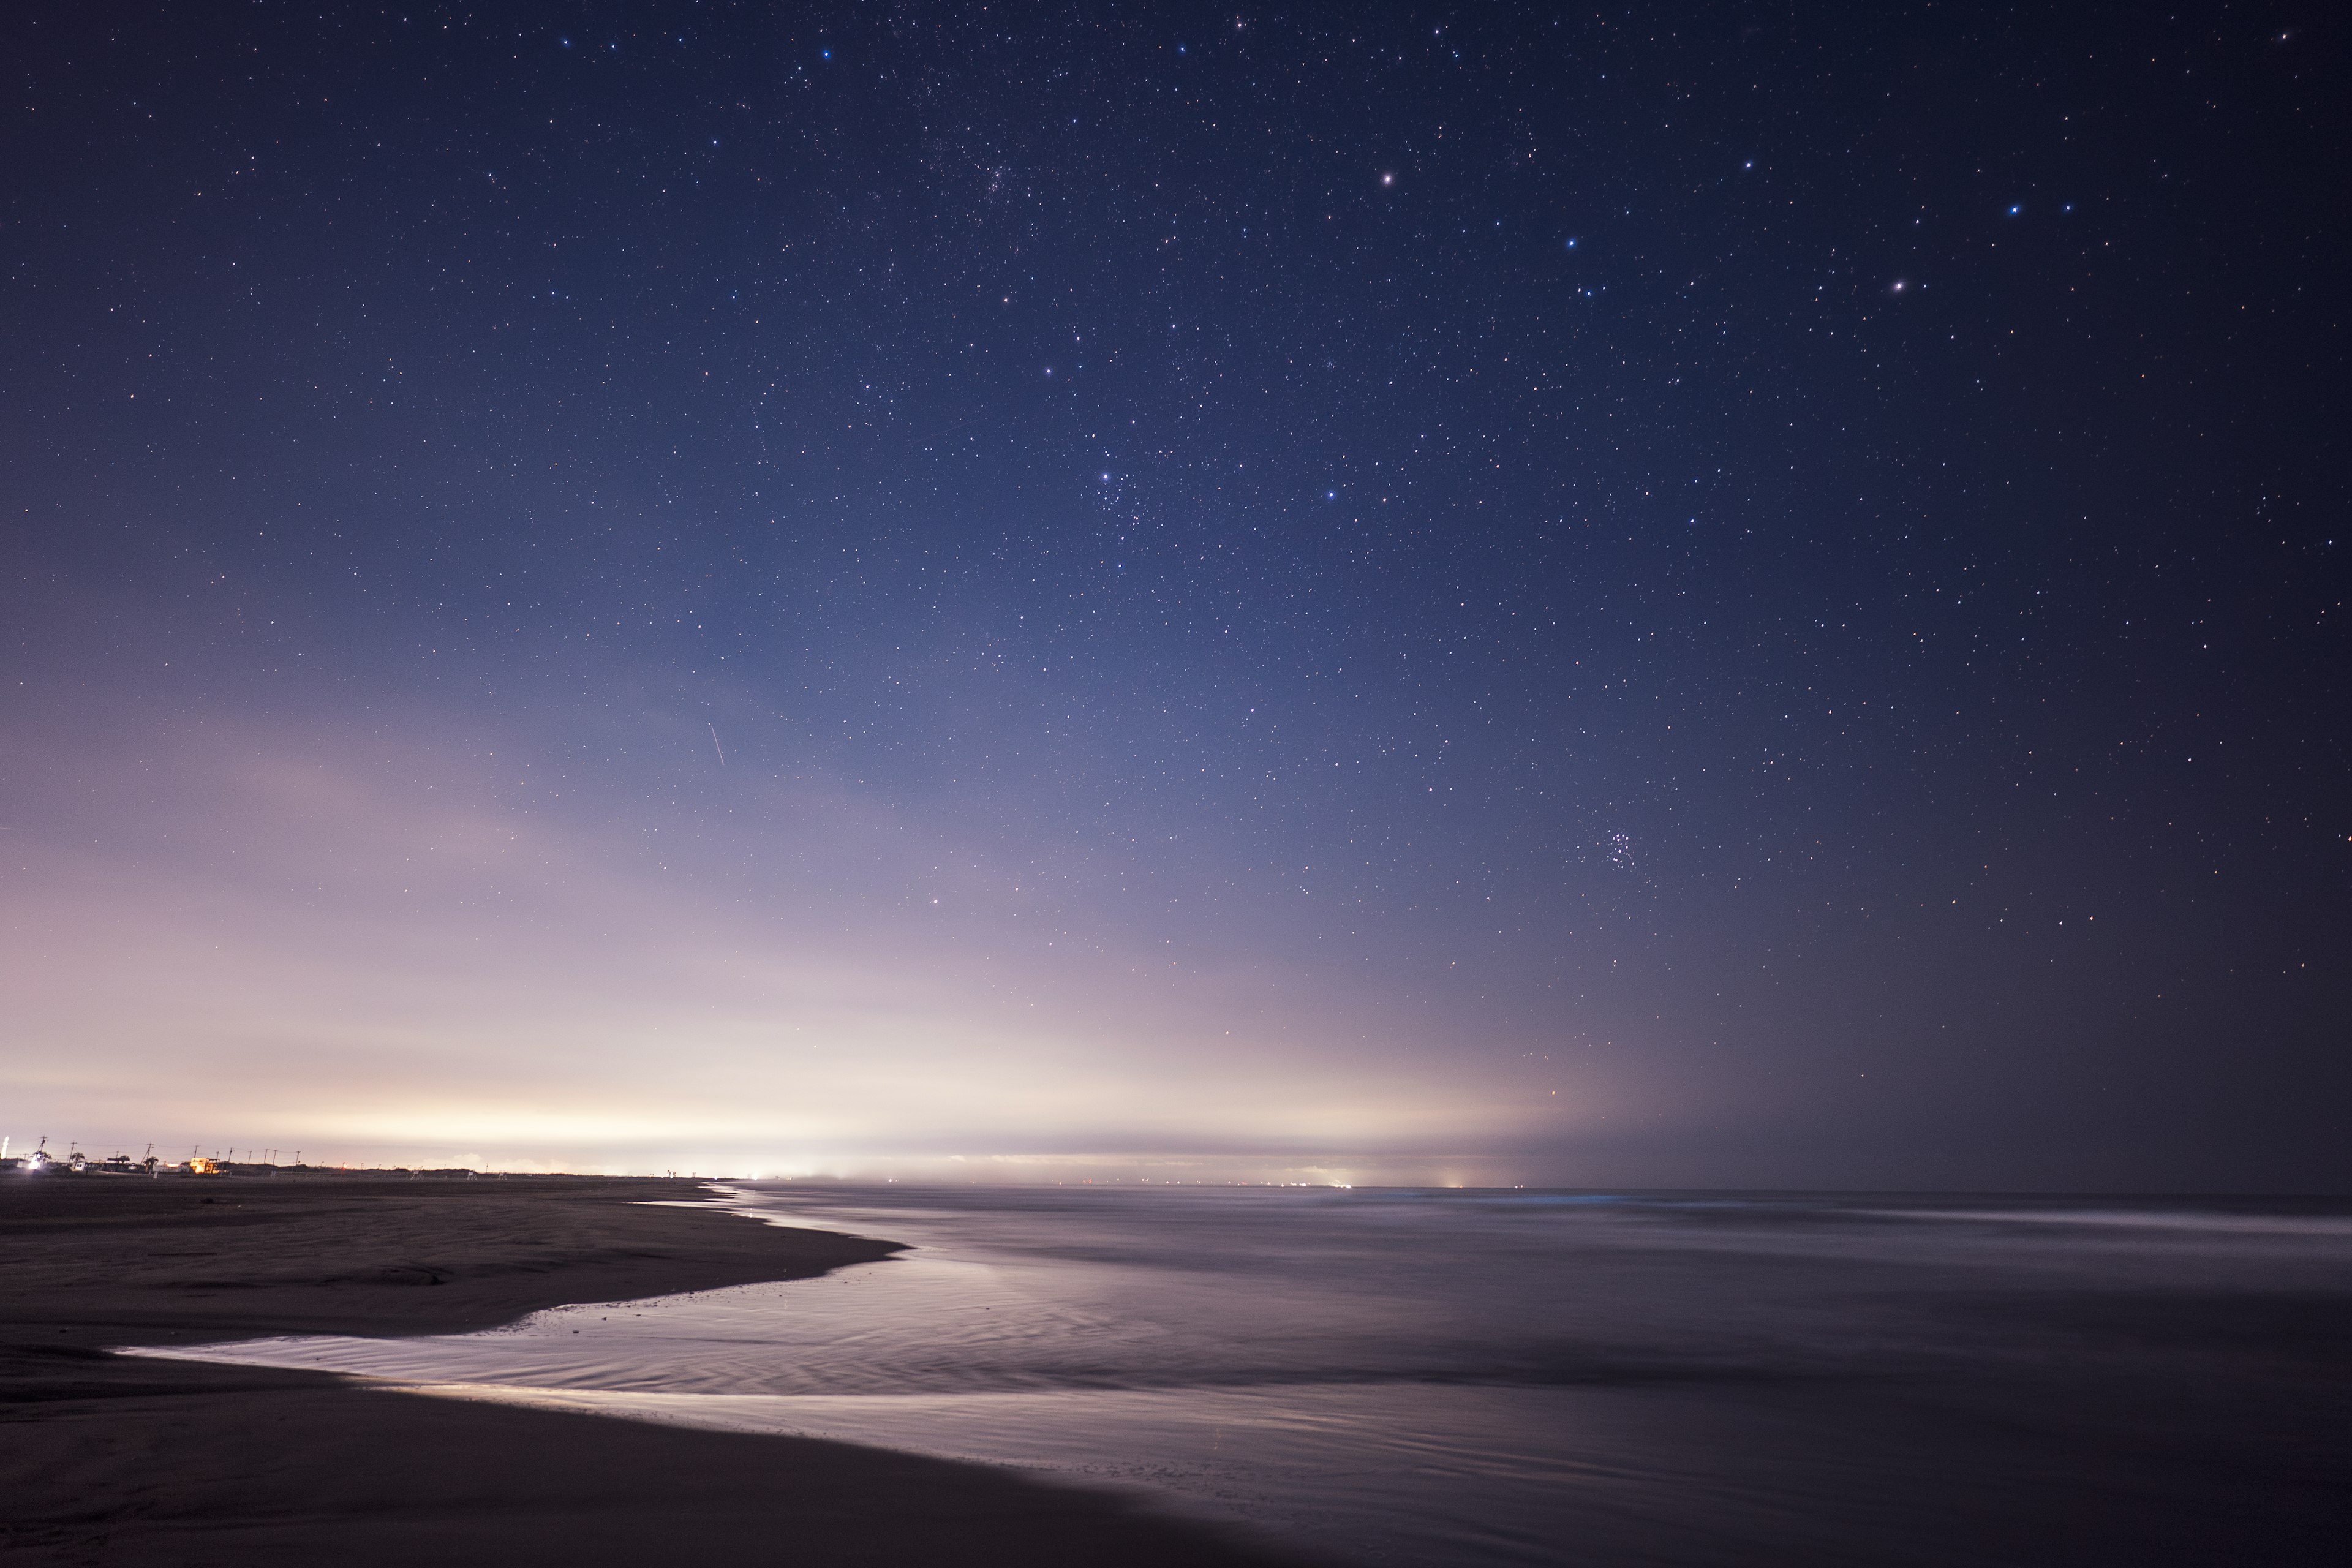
(1490, 1377)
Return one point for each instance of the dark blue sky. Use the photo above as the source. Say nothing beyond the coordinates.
(1733, 594)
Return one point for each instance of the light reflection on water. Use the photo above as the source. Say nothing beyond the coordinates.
(1468, 1377)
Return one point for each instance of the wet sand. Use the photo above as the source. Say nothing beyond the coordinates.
(131, 1461)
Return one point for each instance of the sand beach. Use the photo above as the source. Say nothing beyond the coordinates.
(112, 1459)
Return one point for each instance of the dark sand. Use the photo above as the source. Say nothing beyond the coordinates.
(129, 1460)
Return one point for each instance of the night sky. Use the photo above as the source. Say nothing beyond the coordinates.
(1724, 596)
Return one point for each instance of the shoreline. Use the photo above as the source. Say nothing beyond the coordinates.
(139, 1459)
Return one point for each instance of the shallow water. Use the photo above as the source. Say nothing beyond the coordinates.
(1481, 1377)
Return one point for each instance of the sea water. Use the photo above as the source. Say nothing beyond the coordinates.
(1452, 1377)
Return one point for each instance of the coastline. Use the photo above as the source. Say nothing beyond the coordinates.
(134, 1460)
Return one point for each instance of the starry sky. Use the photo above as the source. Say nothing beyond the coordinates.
(1714, 595)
